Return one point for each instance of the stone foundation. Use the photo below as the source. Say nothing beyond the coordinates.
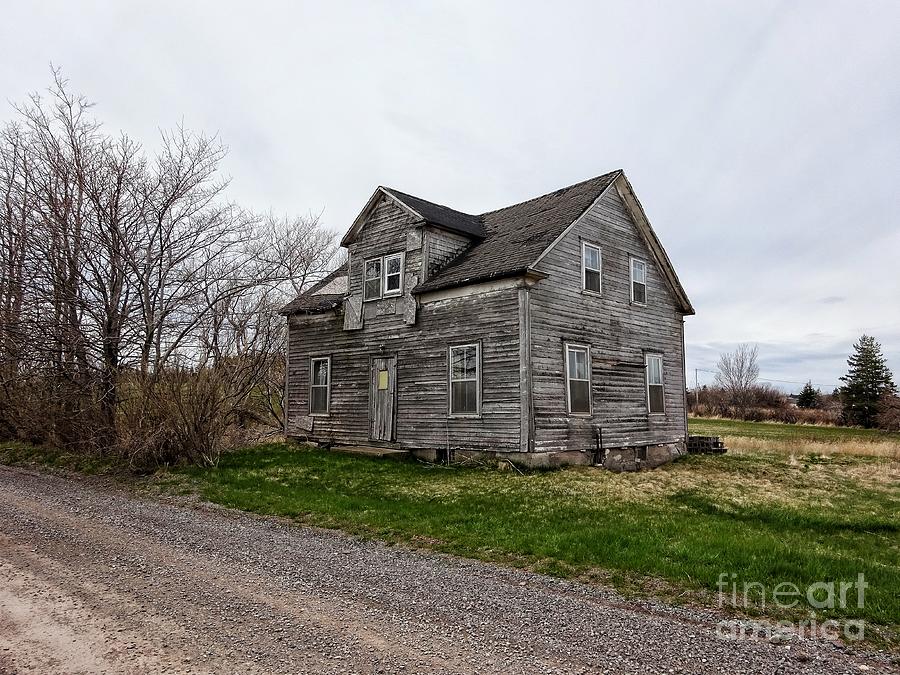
(642, 457)
(614, 459)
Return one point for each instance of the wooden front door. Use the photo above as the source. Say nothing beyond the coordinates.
(383, 398)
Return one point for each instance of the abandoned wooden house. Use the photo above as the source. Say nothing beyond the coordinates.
(549, 332)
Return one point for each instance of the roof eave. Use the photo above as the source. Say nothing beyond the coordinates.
(634, 205)
(285, 311)
(526, 272)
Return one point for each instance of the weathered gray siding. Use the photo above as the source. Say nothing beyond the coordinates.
(422, 373)
(618, 333)
(522, 407)
(441, 247)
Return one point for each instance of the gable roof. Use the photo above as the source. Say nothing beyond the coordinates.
(419, 209)
(441, 216)
(509, 241)
(517, 235)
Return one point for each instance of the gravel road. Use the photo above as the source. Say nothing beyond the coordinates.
(95, 579)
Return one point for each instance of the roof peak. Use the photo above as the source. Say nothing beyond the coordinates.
(400, 194)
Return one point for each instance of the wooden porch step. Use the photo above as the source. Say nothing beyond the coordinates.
(372, 451)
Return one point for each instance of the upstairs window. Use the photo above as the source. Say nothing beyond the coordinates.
(393, 274)
(578, 379)
(638, 281)
(655, 391)
(465, 374)
(590, 267)
(372, 280)
(383, 277)
(319, 385)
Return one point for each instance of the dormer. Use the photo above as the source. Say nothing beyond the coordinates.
(395, 243)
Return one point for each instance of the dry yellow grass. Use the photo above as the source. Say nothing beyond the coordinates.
(744, 444)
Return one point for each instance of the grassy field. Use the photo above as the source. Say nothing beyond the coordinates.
(767, 518)
(786, 504)
(799, 439)
(788, 432)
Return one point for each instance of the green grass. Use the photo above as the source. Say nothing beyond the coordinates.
(786, 432)
(14, 453)
(673, 531)
(788, 506)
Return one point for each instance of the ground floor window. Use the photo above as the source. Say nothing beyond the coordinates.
(578, 379)
(319, 385)
(655, 390)
(465, 378)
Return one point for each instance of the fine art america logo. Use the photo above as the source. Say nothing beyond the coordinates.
(818, 596)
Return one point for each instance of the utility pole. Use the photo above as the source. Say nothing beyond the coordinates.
(696, 387)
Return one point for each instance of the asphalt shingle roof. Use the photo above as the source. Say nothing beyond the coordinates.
(507, 241)
(516, 235)
(443, 216)
(311, 301)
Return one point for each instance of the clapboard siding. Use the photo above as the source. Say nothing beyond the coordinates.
(618, 333)
(492, 319)
(386, 231)
(521, 325)
(441, 247)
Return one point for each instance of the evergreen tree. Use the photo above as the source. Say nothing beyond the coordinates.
(867, 380)
(808, 397)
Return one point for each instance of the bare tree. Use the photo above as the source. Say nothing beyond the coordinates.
(737, 374)
(138, 307)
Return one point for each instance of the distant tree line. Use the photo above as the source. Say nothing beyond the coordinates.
(868, 397)
(138, 306)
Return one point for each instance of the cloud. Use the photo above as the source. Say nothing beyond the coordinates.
(763, 148)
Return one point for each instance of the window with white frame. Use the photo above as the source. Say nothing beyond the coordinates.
(578, 379)
(393, 274)
(465, 375)
(655, 389)
(590, 267)
(372, 280)
(383, 277)
(638, 281)
(319, 385)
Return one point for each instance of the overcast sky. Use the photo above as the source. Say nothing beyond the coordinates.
(763, 138)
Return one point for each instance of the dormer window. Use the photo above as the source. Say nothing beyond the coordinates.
(372, 281)
(383, 277)
(393, 274)
(590, 267)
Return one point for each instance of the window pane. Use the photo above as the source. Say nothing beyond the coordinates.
(373, 269)
(578, 369)
(319, 371)
(464, 363)
(373, 288)
(656, 398)
(464, 397)
(393, 265)
(638, 271)
(654, 370)
(592, 280)
(471, 363)
(318, 401)
(457, 363)
(580, 396)
(592, 257)
(639, 292)
(393, 282)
